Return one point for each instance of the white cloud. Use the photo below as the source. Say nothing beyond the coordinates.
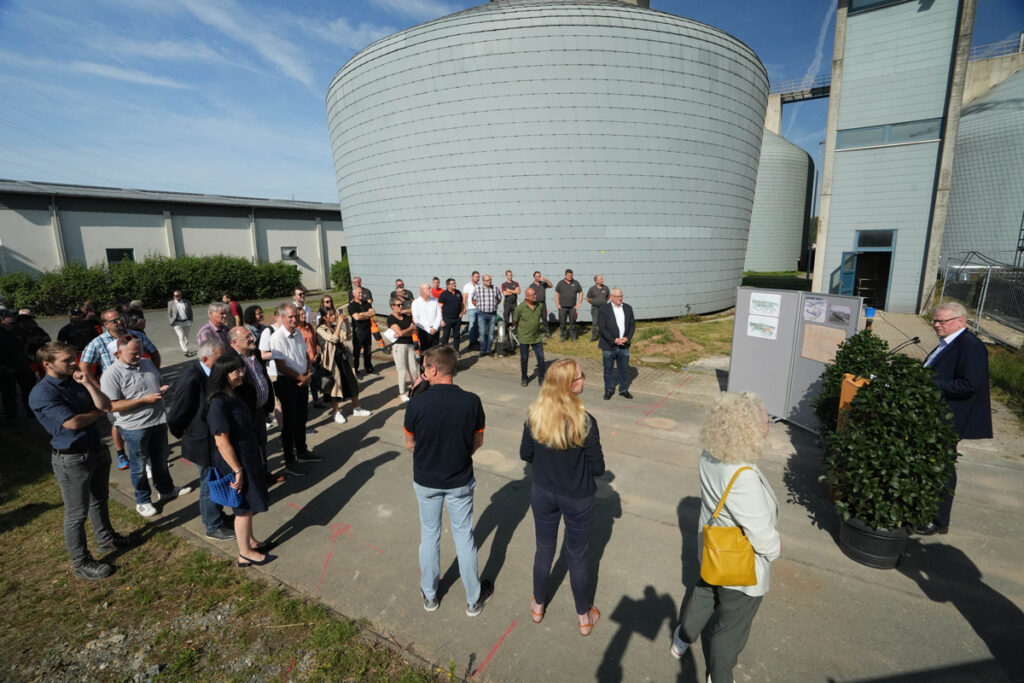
(128, 75)
(161, 49)
(240, 24)
(420, 9)
(342, 33)
(819, 54)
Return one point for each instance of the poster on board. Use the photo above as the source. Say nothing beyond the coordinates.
(820, 342)
(839, 315)
(762, 327)
(815, 309)
(765, 303)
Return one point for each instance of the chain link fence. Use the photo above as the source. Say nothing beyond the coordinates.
(992, 292)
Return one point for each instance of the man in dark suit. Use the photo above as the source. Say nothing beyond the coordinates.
(179, 315)
(960, 362)
(617, 325)
(185, 420)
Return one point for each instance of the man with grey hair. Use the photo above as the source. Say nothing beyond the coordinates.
(179, 314)
(617, 324)
(186, 421)
(292, 387)
(960, 362)
(217, 327)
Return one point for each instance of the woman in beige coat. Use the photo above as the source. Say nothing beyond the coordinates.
(334, 333)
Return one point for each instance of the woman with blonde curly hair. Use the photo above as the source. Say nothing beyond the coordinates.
(733, 437)
(561, 439)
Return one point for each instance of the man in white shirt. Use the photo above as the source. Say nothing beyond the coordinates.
(471, 310)
(426, 314)
(179, 314)
(292, 388)
(617, 325)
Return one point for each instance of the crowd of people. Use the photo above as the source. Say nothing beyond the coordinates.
(247, 374)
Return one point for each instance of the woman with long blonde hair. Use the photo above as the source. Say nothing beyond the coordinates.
(561, 439)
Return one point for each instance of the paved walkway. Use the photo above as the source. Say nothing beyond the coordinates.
(348, 536)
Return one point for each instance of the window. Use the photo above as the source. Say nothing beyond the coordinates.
(289, 253)
(889, 134)
(864, 5)
(867, 239)
(118, 255)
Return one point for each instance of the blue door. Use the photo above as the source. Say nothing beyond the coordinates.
(847, 273)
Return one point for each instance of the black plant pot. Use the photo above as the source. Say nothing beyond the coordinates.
(879, 548)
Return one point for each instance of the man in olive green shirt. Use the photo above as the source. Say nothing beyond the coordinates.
(528, 317)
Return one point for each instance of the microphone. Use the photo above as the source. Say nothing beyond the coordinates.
(915, 340)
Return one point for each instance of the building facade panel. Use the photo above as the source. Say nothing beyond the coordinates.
(28, 245)
(544, 135)
(89, 233)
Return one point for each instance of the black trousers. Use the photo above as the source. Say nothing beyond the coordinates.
(362, 339)
(452, 328)
(294, 414)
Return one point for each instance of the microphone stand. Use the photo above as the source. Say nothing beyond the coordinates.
(898, 347)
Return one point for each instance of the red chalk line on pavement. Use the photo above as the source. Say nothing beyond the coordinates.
(339, 530)
(658, 404)
(494, 650)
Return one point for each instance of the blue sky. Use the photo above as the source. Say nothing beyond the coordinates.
(227, 97)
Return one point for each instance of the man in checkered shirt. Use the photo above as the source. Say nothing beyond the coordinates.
(486, 297)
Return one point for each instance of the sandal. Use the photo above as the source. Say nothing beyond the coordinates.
(585, 629)
(536, 614)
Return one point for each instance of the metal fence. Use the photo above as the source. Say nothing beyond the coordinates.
(992, 292)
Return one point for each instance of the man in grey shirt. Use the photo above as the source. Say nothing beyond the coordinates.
(136, 395)
(597, 296)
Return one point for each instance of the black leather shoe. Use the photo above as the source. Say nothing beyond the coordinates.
(249, 562)
(930, 528)
(626, 394)
(118, 541)
(223, 533)
(608, 395)
(525, 382)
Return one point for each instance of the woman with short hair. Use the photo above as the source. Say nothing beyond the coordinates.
(733, 437)
(561, 439)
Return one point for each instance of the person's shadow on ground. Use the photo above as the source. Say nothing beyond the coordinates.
(502, 516)
(803, 487)
(642, 617)
(945, 574)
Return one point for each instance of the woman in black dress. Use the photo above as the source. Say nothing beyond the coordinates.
(238, 452)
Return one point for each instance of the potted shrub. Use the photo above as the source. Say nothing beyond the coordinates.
(860, 355)
(889, 466)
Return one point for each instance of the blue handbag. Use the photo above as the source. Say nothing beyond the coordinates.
(221, 491)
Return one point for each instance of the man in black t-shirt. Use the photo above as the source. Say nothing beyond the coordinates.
(597, 296)
(361, 313)
(510, 291)
(452, 309)
(443, 428)
(77, 332)
(570, 295)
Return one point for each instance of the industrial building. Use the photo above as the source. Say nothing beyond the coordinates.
(45, 225)
(543, 135)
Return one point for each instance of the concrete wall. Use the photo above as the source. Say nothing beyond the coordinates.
(984, 74)
(779, 216)
(26, 236)
(544, 135)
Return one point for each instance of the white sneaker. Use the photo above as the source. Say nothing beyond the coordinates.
(405, 398)
(145, 509)
(339, 418)
(177, 491)
(361, 412)
(149, 471)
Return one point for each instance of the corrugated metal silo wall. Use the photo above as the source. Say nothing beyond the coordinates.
(779, 215)
(544, 135)
(986, 199)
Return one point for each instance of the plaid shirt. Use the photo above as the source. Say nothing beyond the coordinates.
(486, 298)
(102, 349)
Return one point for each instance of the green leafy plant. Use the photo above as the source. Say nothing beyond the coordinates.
(861, 355)
(890, 464)
(341, 276)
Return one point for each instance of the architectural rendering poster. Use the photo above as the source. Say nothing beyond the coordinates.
(815, 309)
(762, 327)
(763, 303)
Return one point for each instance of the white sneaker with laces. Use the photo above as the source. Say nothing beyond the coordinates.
(361, 412)
(145, 509)
(339, 418)
(405, 398)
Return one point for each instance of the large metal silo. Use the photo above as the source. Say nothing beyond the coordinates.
(779, 217)
(986, 196)
(544, 135)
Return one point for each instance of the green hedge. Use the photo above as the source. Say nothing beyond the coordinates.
(201, 278)
(340, 274)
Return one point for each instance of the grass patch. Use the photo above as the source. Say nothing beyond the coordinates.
(1006, 373)
(170, 611)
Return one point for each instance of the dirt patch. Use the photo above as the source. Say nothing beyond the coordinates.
(676, 344)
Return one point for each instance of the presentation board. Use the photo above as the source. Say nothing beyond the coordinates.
(781, 342)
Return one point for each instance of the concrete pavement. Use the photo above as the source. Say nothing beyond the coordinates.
(348, 536)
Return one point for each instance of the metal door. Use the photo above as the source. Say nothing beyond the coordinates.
(847, 273)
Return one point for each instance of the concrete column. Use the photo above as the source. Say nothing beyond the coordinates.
(252, 236)
(58, 236)
(940, 198)
(828, 165)
(172, 251)
(773, 115)
(321, 262)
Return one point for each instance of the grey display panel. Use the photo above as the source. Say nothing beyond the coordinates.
(781, 342)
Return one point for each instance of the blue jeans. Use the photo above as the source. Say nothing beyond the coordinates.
(617, 356)
(474, 329)
(142, 444)
(524, 356)
(548, 510)
(460, 513)
(83, 480)
(211, 513)
(485, 321)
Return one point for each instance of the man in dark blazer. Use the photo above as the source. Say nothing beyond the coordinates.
(185, 420)
(616, 323)
(960, 362)
(179, 315)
